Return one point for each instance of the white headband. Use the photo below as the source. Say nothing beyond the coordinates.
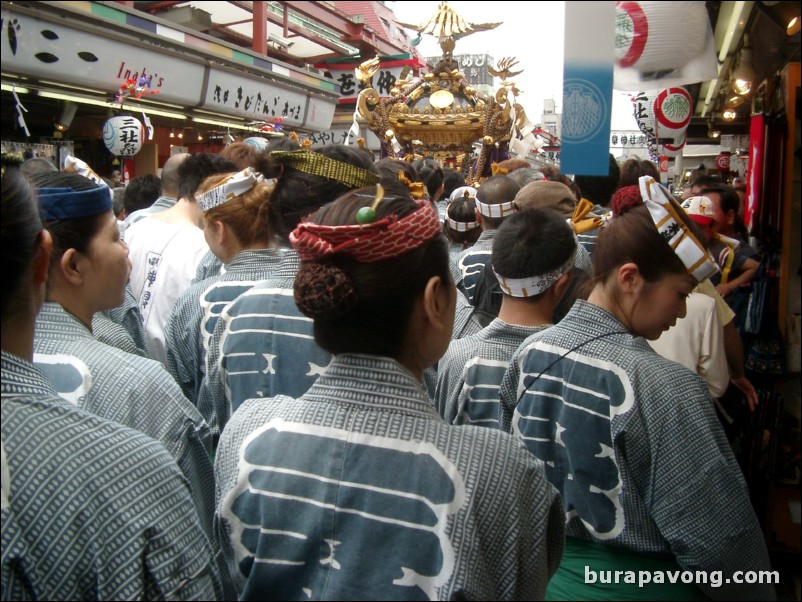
(665, 214)
(463, 192)
(498, 210)
(461, 226)
(529, 287)
(240, 183)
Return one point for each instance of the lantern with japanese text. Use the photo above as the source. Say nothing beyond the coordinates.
(643, 111)
(123, 135)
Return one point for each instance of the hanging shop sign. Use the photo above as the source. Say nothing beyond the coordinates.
(64, 54)
(474, 66)
(383, 80)
(628, 138)
(345, 136)
(643, 111)
(319, 114)
(259, 99)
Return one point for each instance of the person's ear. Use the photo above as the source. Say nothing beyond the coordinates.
(221, 233)
(630, 280)
(561, 286)
(41, 261)
(437, 297)
(71, 266)
(731, 217)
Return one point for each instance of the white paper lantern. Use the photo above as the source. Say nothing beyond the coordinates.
(673, 148)
(122, 135)
(643, 111)
(659, 36)
(673, 108)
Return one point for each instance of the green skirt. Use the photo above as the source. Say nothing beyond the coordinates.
(592, 571)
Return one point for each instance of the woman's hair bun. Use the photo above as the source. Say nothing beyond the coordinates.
(323, 291)
(626, 198)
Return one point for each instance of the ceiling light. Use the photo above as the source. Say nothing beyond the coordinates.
(793, 26)
(745, 74)
(64, 121)
(218, 122)
(729, 115)
(735, 101)
(13, 88)
(100, 103)
(736, 22)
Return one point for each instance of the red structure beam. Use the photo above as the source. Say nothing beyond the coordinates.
(259, 27)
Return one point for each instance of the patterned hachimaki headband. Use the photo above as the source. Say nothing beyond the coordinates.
(665, 212)
(497, 210)
(529, 287)
(463, 192)
(368, 242)
(65, 203)
(320, 165)
(461, 226)
(238, 184)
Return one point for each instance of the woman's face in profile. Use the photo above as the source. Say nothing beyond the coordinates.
(660, 304)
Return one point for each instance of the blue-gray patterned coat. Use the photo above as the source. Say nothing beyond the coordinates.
(633, 444)
(471, 262)
(262, 346)
(359, 490)
(469, 374)
(128, 389)
(91, 510)
(195, 315)
(129, 317)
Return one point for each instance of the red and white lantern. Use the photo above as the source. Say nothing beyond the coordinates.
(659, 36)
(673, 108)
(673, 148)
(723, 163)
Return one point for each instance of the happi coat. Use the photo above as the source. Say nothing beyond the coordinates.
(192, 322)
(633, 444)
(359, 490)
(132, 390)
(91, 510)
(164, 257)
(128, 317)
(471, 262)
(262, 346)
(469, 374)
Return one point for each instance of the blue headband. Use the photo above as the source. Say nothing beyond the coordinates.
(66, 203)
